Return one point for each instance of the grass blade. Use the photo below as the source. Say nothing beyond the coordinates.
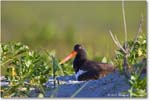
(74, 94)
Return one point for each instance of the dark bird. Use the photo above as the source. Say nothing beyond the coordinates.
(86, 69)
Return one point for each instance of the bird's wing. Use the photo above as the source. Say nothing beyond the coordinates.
(106, 67)
(97, 66)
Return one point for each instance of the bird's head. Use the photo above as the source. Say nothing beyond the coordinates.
(78, 50)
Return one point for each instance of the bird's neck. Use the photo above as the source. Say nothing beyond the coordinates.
(79, 60)
(81, 56)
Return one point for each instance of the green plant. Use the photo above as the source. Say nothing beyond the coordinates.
(67, 68)
(78, 90)
(55, 66)
(25, 69)
(135, 56)
(134, 59)
(57, 69)
(131, 59)
(138, 86)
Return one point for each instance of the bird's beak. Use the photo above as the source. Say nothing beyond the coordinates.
(71, 55)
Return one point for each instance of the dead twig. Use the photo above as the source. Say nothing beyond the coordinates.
(116, 41)
(124, 21)
(137, 34)
(125, 64)
(120, 45)
(124, 49)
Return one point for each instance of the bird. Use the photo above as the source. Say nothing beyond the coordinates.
(86, 69)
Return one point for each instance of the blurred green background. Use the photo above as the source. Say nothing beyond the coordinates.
(54, 25)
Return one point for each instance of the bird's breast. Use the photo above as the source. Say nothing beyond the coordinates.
(80, 72)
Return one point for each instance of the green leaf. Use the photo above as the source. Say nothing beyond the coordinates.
(41, 95)
(140, 52)
(104, 60)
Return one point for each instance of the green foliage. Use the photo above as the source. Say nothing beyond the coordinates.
(57, 69)
(67, 68)
(138, 80)
(136, 55)
(136, 60)
(138, 86)
(25, 69)
(56, 66)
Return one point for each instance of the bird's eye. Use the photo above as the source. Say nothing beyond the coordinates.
(80, 47)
